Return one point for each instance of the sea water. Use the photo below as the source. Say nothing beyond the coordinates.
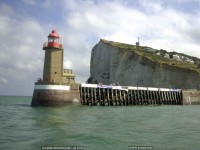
(97, 127)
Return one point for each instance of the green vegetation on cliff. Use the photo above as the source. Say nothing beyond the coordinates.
(151, 55)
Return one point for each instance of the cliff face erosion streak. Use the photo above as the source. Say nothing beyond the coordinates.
(131, 65)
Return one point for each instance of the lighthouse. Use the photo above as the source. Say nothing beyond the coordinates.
(58, 84)
(53, 62)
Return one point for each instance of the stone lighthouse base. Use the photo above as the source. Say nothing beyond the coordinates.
(54, 94)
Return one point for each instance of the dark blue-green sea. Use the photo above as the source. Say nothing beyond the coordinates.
(23, 127)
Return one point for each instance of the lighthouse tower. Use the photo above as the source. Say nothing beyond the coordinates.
(53, 62)
(58, 85)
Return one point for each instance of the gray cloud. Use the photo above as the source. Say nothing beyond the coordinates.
(82, 25)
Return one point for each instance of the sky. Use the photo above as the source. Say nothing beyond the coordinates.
(172, 25)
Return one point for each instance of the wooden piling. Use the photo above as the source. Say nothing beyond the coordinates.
(102, 95)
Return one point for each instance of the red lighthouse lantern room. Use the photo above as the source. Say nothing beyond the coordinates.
(53, 41)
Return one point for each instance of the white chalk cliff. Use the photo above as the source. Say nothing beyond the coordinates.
(112, 64)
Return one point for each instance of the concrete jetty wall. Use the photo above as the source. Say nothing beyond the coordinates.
(93, 94)
(191, 97)
(49, 95)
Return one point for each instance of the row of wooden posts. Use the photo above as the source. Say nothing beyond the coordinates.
(108, 96)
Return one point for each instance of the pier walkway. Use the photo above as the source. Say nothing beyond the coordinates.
(93, 94)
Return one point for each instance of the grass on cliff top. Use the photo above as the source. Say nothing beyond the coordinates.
(154, 57)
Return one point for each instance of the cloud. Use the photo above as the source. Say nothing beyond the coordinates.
(114, 21)
(161, 25)
(5, 9)
(3, 81)
(19, 45)
(20, 57)
(29, 2)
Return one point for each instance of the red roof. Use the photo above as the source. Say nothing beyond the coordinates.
(54, 34)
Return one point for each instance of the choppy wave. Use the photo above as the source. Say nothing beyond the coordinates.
(96, 127)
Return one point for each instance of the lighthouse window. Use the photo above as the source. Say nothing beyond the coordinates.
(50, 40)
(55, 39)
